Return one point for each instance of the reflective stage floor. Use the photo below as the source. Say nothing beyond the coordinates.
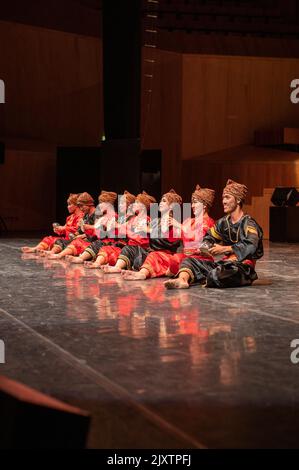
(157, 369)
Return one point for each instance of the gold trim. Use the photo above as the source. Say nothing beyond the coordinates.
(251, 230)
(215, 234)
(189, 271)
(126, 260)
(149, 269)
(103, 254)
(74, 250)
(90, 252)
(44, 245)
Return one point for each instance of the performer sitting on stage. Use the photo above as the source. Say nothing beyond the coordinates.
(194, 228)
(135, 252)
(85, 233)
(108, 250)
(236, 237)
(71, 226)
(167, 242)
(103, 229)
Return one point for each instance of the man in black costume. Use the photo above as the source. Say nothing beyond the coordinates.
(236, 238)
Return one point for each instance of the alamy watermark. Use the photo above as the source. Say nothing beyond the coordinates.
(294, 97)
(295, 354)
(2, 352)
(135, 219)
(2, 92)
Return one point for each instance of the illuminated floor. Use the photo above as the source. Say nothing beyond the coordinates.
(157, 368)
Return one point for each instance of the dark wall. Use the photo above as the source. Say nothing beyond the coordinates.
(74, 16)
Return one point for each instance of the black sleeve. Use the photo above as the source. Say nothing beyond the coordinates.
(249, 242)
(213, 235)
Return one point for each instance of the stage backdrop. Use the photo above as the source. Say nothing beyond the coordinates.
(53, 97)
(202, 106)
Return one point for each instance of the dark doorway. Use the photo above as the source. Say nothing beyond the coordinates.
(2, 153)
(77, 170)
(151, 172)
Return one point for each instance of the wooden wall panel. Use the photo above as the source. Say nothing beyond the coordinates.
(258, 168)
(225, 99)
(27, 189)
(53, 85)
(161, 121)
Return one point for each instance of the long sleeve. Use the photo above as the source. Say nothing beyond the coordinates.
(214, 234)
(249, 242)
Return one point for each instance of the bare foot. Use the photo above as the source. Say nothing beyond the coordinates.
(28, 256)
(133, 276)
(28, 249)
(176, 284)
(55, 256)
(91, 265)
(111, 269)
(76, 260)
(48, 253)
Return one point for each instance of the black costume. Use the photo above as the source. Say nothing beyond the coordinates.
(245, 237)
(135, 255)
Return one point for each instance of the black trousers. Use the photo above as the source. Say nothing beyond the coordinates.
(62, 243)
(134, 256)
(222, 274)
(94, 248)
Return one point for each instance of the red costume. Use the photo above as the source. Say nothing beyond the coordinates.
(79, 245)
(71, 225)
(161, 262)
(112, 252)
(188, 239)
(110, 248)
(129, 231)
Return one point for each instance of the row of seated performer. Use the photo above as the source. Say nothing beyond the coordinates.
(225, 257)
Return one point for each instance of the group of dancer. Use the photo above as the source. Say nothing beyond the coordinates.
(196, 251)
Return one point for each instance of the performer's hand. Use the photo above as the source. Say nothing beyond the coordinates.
(174, 223)
(218, 250)
(87, 227)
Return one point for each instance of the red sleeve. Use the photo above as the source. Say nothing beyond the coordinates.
(72, 223)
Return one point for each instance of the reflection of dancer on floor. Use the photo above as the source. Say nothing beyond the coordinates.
(70, 227)
(104, 228)
(62, 247)
(164, 259)
(237, 237)
(137, 234)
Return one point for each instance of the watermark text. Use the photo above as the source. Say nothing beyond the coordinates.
(2, 92)
(2, 352)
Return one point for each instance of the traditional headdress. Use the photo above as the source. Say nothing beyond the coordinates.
(145, 199)
(85, 199)
(205, 195)
(172, 197)
(73, 199)
(238, 190)
(130, 198)
(107, 196)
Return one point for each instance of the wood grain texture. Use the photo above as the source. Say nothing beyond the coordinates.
(226, 99)
(53, 85)
(257, 167)
(28, 188)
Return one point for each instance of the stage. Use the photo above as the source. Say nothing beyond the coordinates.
(198, 368)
